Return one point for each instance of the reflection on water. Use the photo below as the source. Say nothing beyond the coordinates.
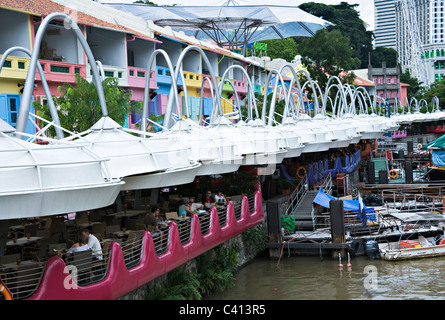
(312, 278)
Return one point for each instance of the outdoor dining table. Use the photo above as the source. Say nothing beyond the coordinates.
(22, 241)
(128, 213)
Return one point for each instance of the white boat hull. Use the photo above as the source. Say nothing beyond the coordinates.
(387, 252)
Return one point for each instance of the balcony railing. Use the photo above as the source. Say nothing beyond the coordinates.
(15, 68)
(163, 76)
(120, 73)
(193, 79)
(137, 77)
(61, 71)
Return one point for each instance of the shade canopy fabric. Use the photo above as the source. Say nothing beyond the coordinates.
(38, 180)
(438, 144)
(243, 24)
(323, 200)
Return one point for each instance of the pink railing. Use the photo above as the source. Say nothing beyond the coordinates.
(137, 77)
(56, 282)
(61, 71)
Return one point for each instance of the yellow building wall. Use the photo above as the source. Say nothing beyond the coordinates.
(13, 72)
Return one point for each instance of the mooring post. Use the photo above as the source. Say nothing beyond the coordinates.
(383, 177)
(371, 172)
(409, 177)
(273, 225)
(337, 225)
(410, 147)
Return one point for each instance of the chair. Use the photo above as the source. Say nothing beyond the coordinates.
(45, 233)
(9, 258)
(171, 215)
(130, 224)
(82, 220)
(31, 229)
(140, 226)
(82, 260)
(98, 229)
(150, 228)
(55, 249)
(109, 220)
(165, 206)
(109, 230)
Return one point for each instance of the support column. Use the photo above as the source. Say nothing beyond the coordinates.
(337, 225)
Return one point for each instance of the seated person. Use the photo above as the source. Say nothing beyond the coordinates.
(93, 243)
(194, 207)
(208, 201)
(80, 245)
(152, 218)
(220, 199)
(182, 212)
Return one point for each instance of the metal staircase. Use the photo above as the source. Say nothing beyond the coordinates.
(300, 204)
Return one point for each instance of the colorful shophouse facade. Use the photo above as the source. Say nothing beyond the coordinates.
(124, 54)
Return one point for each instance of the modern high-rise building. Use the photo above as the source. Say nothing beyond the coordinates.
(385, 23)
(429, 52)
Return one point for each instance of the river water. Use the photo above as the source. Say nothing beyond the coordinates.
(313, 278)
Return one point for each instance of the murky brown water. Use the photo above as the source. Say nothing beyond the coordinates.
(311, 278)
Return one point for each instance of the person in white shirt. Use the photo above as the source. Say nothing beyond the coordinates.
(93, 243)
(220, 199)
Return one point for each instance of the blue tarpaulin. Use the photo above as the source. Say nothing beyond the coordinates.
(438, 158)
(323, 200)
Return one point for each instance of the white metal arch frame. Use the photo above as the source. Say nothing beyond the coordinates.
(29, 83)
(168, 111)
(279, 78)
(251, 98)
(173, 90)
(52, 107)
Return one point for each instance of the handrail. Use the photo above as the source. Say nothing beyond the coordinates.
(296, 196)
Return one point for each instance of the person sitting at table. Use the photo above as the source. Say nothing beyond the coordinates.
(183, 209)
(152, 218)
(80, 245)
(220, 199)
(208, 201)
(93, 243)
(192, 206)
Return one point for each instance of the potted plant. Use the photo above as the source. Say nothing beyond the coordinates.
(285, 186)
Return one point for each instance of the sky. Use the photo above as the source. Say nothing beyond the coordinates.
(366, 7)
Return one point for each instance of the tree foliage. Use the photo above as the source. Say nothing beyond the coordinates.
(437, 89)
(285, 49)
(327, 54)
(347, 21)
(415, 89)
(79, 107)
(382, 54)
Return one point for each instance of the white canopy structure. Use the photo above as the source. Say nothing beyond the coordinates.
(40, 180)
(232, 26)
(217, 154)
(143, 163)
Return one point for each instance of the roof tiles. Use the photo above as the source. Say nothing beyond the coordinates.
(46, 7)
